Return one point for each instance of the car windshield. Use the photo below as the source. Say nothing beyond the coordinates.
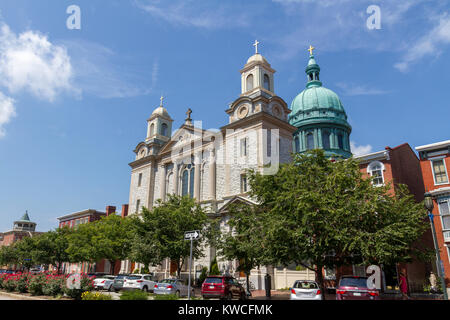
(120, 276)
(213, 280)
(109, 277)
(305, 285)
(168, 281)
(133, 277)
(353, 282)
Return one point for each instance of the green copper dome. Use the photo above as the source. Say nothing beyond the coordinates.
(320, 117)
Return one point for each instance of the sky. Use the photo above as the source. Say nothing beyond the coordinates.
(74, 102)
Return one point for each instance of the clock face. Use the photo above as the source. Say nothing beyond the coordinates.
(242, 111)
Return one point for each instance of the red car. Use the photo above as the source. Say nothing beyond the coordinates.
(222, 287)
(355, 288)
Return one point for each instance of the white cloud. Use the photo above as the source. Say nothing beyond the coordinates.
(30, 62)
(7, 111)
(429, 45)
(360, 150)
(359, 90)
(200, 14)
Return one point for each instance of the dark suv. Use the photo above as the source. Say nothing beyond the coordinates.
(223, 287)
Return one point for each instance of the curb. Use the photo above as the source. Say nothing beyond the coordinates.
(19, 296)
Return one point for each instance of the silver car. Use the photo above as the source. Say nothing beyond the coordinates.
(104, 282)
(172, 286)
(305, 290)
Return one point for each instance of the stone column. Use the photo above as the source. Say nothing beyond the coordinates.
(175, 177)
(212, 174)
(151, 186)
(197, 182)
(162, 182)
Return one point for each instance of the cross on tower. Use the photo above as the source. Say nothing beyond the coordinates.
(256, 46)
(311, 48)
(162, 98)
(188, 113)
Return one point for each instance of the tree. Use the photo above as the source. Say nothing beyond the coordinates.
(51, 247)
(320, 213)
(8, 256)
(159, 233)
(214, 268)
(25, 251)
(108, 238)
(244, 238)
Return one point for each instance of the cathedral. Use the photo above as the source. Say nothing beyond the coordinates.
(210, 165)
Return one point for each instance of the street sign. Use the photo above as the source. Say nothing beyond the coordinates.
(192, 235)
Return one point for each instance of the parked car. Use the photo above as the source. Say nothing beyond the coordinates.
(119, 281)
(142, 282)
(172, 286)
(222, 287)
(104, 282)
(305, 290)
(355, 288)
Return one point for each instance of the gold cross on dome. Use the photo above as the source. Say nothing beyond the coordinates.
(311, 48)
(256, 46)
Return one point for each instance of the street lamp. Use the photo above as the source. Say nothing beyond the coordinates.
(429, 205)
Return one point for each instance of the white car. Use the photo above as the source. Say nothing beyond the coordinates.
(305, 290)
(104, 282)
(142, 282)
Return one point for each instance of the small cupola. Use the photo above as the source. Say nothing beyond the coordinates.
(159, 124)
(312, 70)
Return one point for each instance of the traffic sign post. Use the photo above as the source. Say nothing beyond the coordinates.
(191, 235)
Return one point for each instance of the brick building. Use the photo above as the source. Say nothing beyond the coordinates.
(435, 162)
(86, 216)
(399, 165)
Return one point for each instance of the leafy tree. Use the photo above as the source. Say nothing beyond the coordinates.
(8, 256)
(108, 238)
(320, 213)
(244, 238)
(214, 268)
(25, 250)
(159, 233)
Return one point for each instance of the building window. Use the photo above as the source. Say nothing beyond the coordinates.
(152, 129)
(375, 170)
(138, 203)
(297, 144)
(444, 211)
(244, 146)
(140, 179)
(164, 129)
(340, 141)
(244, 184)
(266, 82)
(439, 171)
(187, 181)
(309, 141)
(249, 82)
(326, 139)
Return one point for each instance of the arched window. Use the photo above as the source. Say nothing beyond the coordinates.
(164, 129)
(185, 183)
(375, 170)
(340, 141)
(297, 144)
(191, 182)
(309, 141)
(249, 82)
(266, 82)
(152, 129)
(326, 139)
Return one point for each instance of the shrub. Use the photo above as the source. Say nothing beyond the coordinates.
(86, 284)
(53, 285)
(202, 276)
(2, 278)
(22, 285)
(134, 295)
(214, 269)
(10, 283)
(145, 270)
(35, 284)
(166, 297)
(88, 295)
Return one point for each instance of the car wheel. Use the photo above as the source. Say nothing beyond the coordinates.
(110, 288)
(145, 289)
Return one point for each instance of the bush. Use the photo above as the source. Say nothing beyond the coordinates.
(22, 283)
(166, 297)
(53, 285)
(88, 295)
(134, 295)
(10, 283)
(86, 284)
(214, 270)
(2, 278)
(202, 276)
(35, 284)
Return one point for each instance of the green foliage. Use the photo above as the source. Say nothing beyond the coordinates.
(214, 268)
(10, 284)
(202, 276)
(54, 285)
(8, 255)
(88, 295)
(134, 295)
(325, 212)
(22, 283)
(159, 233)
(166, 297)
(145, 270)
(86, 284)
(35, 284)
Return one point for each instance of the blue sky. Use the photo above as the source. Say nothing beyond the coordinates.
(74, 103)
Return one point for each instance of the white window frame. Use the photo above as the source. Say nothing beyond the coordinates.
(441, 215)
(370, 170)
(243, 146)
(445, 168)
(140, 179)
(244, 176)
